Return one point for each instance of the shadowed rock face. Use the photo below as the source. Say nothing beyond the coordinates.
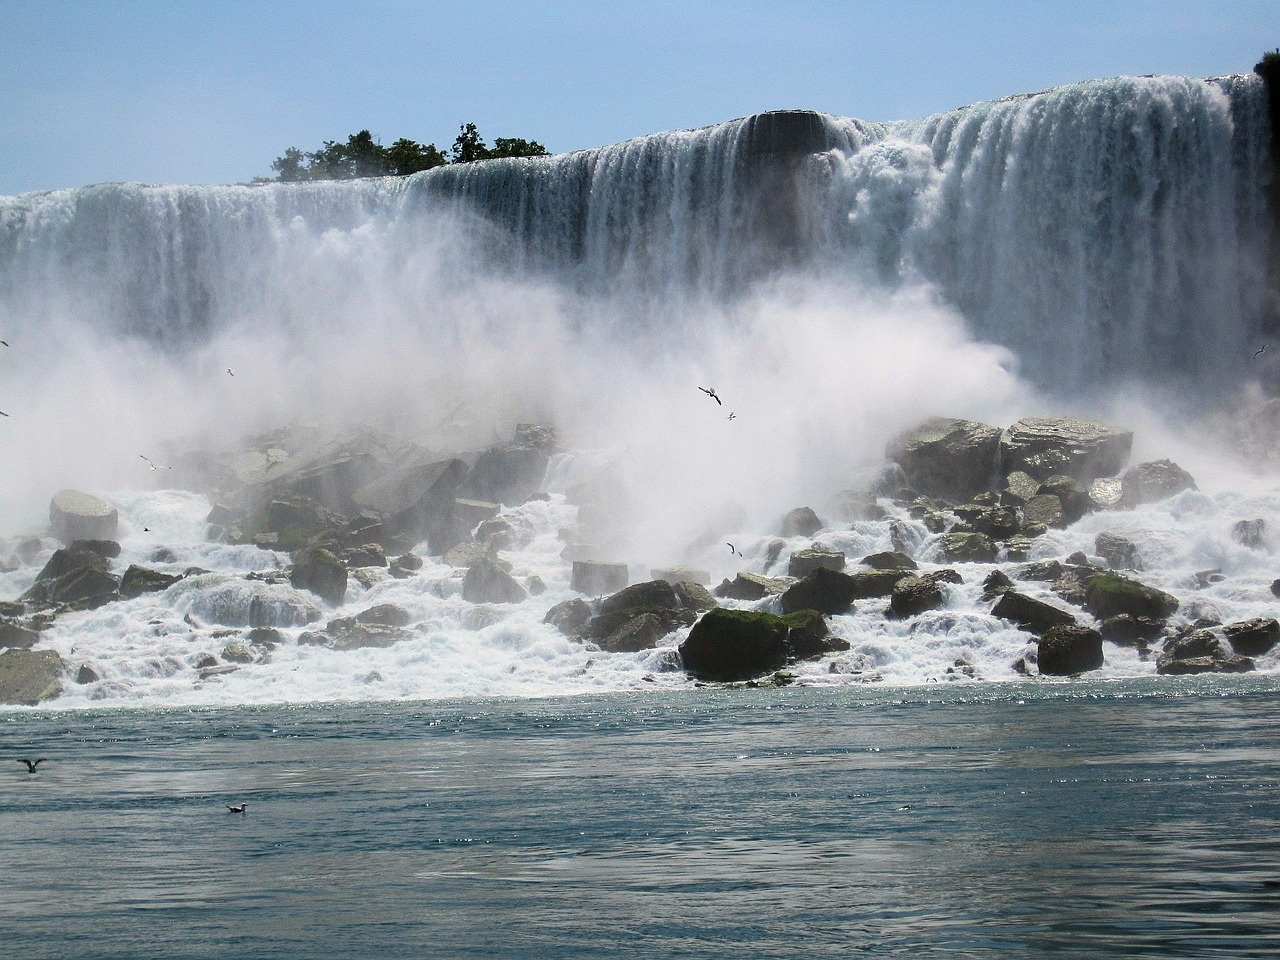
(1044, 447)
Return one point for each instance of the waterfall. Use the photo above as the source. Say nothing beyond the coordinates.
(1103, 231)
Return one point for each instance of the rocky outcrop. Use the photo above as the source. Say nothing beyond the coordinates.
(638, 616)
(1035, 615)
(487, 582)
(1065, 650)
(1253, 638)
(74, 576)
(949, 458)
(29, 677)
(1152, 482)
(511, 472)
(318, 570)
(809, 637)
(751, 586)
(74, 515)
(915, 595)
(1108, 594)
(569, 616)
(1047, 446)
(139, 580)
(1199, 651)
(800, 522)
(1119, 551)
(967, 548)
(803, 562)
(827, 591)
(729, 645)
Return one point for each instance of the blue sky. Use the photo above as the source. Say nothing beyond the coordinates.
(210, 92)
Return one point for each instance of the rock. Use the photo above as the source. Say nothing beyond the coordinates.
(569, 617)
(1020, 547)
(998, 523)
(318, 570)
(827, 591)
(1035, 615)
(535, 585)
(968, 548)
(81, 516)
(694, 596)
(107, 549)
(1207, 578)
(1019, 488)
(237, 653)
(1077, 559)
(86, 587)
(915, 595)
(808, 637)
(265, 637)
(405, 566)
(639, 632)
(385, 614)
(1126, 630)
(86, 674)
(878, 583)
(1152, 482)
(477, 514)
(595, 577)
(486, 582)
(416, 498)
(467, 552)
(996, 584)
(802, 562)
(944, 457)
(366, 555)
(1252, 638)
(675, 575)
(67, 560)
(289, 521)
(1041, 570)
(751, 586)
(512, 472)
(1194, 643)
(800, 522)
(889, 560)
(1248, 533)
(1105, 493)
(1065, 650)
(1046, 510)
(1071, 494)
(28, 677)
(139, 580)
(636, 617)
(16, 635)
(1119, 551)
(1073, 585)
(851, 506)
(1046, 446)
(1108, 594)
(1275, 588)
(728, 645)
(240, 602)
(347, 633)
(1169, 666)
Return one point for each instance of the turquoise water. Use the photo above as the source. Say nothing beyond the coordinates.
(1132, 819)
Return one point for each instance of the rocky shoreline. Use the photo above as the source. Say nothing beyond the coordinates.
(357, 508)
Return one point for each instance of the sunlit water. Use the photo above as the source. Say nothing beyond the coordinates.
(1104, 819)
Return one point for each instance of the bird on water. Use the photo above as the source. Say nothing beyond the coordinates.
(31, 764)
(711, 392)
(239, 809)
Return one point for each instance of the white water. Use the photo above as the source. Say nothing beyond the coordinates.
(1090, 250)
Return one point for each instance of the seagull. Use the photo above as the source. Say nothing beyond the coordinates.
(710, 392)
(239, 809)
(733, 549)
(4, 342)
(733, 416)
(231, 372)
(153, 465)
(32, 764)
(3, 414)
(1260, 351)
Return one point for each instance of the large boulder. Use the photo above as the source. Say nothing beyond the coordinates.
(74, 576)
(1249, 533)
(1047, 446)
(1035, 615)
(967, 548)
(638, 616)
(511, 472)
(944, 457)
(415, 498)
(1253, 638)
(803, 562)
(233, 601)
(915, 595)
(74, 515)
(889, 560)
(139, 580)
(1152, 482)
(876, 583)
(318, 570)
(808, 636)
(1108, 594)
(596, 577)
(1071, 494)
(486, 582)
(752, 586)
(728, 645)
(1065, 650)
(569, 616)
(827, 591)
(800, 522)
(1119, 551)
(1199, 651)
(28, 677)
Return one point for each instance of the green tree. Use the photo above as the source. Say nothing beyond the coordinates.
(408, 156)
(289, 167)
(516, 147)
(469, 145)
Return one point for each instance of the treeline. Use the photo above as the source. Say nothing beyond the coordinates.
(363, 156)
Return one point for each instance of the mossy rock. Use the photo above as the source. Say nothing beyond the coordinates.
(318, 570)
(1108, 594)
(729, 645)
(968, 548)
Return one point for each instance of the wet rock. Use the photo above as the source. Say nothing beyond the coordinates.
(889, 560)
(1275, 588)
(1119, 551)
(366, 555)
(1248, 533)
(87, 674)
(1041, 570)
(1105, 493)
(915, 595)
(318, 570)
(1046, 510)
(1126, 630)
(877, 583)
(1253, 638)
(512, 472)
(569, 617)
(1071, 494)
(385, 614)
(641, 631)
(467, 552)
(809, 638)
(694, 596)
(535, 585)
(486, 582)
(1019, 488)
(595, 577)
(1108, 594)
(968, 548)
(17, 635)
(803, 562)
(74, 515)
(998, 523)
(240, 602)
(1168, 666)
(1035, 615)
(751, 586)
(1047, 446)
(945, 457)
(1066, 650)
(237, 653)
(800, 522)
(827, 591)
(416, 499)
(405, 566)
(1206, 578)
(29, 677)
(851, 506)
(139, 580)
(675, 575)
(996, 584)
(1152, 482)
(347, 633)
(107, 549)
(84, 587)
(730, 645)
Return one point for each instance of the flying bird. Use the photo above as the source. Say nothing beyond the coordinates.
(1260, 351)
(733, 416)
(4, 342)
(3, 414)
(239, 809)
(231, 372)
(710, 392)
(32, 764)
(153, 465)
(733, 549)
